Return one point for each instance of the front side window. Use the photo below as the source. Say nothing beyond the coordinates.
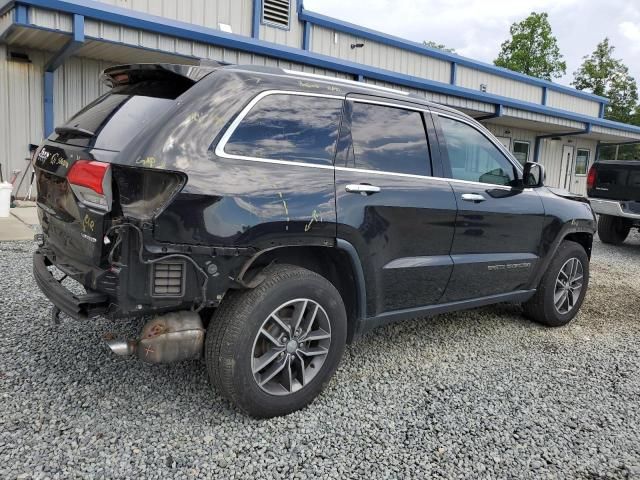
(582, 161)
(389, 139)
(521, 151)
(294, 128)
(473, 157)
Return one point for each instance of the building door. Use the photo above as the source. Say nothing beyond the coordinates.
(566, 167)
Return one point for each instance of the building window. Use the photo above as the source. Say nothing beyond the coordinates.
(582, 161)
(293, 128)
(276, 13)
(389, 139)
(521, 151)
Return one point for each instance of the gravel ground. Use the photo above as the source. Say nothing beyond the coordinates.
(483, 393)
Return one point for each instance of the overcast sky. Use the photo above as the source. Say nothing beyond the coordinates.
(476, 28)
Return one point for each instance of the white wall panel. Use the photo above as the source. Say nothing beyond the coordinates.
(6, 20)
(20, 110)
(51, 19)
(378, 55)
(573, 104)
(208, 13)
(291, 37)
(472, 79)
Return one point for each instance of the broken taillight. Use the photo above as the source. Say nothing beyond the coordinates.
(592, 177)
(91, 182)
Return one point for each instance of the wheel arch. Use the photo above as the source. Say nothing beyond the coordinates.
(339, 264)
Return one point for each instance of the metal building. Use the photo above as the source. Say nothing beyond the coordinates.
(52, 51)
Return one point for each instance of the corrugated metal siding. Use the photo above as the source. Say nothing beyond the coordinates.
(617, 133)
(20, 110)
(209, 13)
(51, 19)
(573, 104)
(378, 55)
(6, 20)
(470, 78)
(537, 117)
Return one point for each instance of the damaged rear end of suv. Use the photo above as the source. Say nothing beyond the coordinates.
(104, 180)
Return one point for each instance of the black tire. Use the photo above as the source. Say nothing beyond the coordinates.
(234, 328)
(541, 307)
(613, 230)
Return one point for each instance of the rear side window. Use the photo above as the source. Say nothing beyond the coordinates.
(294, 128)
(389, 139)
(473, 157)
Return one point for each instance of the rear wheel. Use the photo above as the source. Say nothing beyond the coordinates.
(562, 289)
(613, 230)
(271, 350)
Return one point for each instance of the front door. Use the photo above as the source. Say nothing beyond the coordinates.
(499, 224)
(566, 167)
(398, 217)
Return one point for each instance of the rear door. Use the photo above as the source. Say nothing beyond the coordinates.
(498, 228)
(398, 217)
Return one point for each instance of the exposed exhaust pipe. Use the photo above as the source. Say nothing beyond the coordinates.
(168, 338)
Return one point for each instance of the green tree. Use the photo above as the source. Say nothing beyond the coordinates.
(604, 75)
(532, 49)
(438, 46)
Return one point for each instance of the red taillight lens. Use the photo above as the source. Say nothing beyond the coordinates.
(89, 174)
(591, 178)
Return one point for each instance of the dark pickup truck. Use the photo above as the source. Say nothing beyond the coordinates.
(614, 190)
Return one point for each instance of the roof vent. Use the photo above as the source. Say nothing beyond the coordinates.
(276, 13)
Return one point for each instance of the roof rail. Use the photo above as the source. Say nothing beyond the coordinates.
(325, 78)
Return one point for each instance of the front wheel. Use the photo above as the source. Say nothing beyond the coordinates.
(271, 350)
(562, 289)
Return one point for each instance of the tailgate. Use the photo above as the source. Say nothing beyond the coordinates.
(616, 180)
(81, 182)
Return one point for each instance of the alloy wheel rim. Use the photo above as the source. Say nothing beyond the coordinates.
(291, 347)
(569, 284)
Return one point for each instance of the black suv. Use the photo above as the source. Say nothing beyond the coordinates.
(266, 217)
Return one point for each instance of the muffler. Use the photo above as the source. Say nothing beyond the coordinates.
(172, 337)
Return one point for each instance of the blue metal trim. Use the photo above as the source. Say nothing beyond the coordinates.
(48, 103)
(544, 95)
(255, 21)
(454, 73)
(306, 36)
(164, 26)
(536, 153)
(21, 14)
(601, 112)
(496, 114)
(74, 43)
(362, 32)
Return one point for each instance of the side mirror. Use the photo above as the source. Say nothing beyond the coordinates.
(533, 175)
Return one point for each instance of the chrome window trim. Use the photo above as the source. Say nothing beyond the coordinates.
(219, 150)
(387, 104)
(501, 148)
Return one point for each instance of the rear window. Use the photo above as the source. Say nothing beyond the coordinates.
(295, 128)
(111, 121)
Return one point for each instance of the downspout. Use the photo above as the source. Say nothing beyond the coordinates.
(69, 48)
(536, 154)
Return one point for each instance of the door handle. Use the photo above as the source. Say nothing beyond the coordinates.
(362, 188)
(473, 197)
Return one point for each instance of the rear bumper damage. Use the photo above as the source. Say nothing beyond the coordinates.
(616, 208)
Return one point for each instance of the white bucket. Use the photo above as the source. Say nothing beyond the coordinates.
(5, 198)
